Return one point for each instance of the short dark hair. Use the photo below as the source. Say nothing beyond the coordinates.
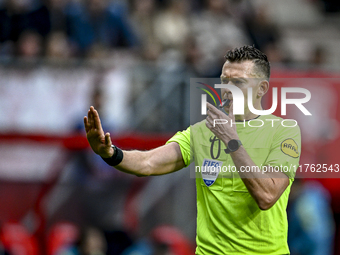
(260, 60)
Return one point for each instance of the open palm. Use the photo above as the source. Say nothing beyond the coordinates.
(98, 140)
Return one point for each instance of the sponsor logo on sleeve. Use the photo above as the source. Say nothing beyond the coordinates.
(290, 148)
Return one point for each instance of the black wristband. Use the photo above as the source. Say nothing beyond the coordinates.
(116, 158)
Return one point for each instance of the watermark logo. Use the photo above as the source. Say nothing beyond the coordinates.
(204, 97)
(238, 99)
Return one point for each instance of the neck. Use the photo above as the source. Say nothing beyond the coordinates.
(248, 114)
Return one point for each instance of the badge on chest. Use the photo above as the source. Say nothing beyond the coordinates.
(210, 170)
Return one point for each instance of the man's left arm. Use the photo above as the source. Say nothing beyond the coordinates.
(265, 187)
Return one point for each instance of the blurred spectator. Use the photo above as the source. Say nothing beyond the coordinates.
(57, 46)
(261, 30)
(192, 56)
(21, 15)
(172, 25)
(62, 239)
(29, 45)
(277, 56)
(96, 24)
(17, 240)
(57, 14)
(143, 15)
(92, 242)
(163, 240)
(215, 31)
(311, 223)
(17, 17)
(151, 51)
(65, 239)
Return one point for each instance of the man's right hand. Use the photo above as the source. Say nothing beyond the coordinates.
(162, 160)
(99, 142)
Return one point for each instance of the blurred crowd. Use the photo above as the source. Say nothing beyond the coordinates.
(67, 238)
(192, 31)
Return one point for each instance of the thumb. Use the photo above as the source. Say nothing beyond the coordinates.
(108, 139)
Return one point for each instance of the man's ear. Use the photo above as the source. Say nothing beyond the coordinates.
(263, 88)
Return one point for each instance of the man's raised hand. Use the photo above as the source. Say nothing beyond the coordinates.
(224, 131)
(99, 142)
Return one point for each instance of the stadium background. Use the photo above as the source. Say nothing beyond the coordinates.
(133, 61)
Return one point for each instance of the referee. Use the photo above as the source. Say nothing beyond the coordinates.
(241, 211)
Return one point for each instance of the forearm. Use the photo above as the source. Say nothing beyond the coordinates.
(162, 160)
(135, 162)
(265, 187)
(254, 178)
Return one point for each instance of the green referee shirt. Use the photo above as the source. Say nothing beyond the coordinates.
(228, 219)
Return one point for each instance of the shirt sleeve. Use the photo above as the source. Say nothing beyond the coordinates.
(285, 150)
(183, 139)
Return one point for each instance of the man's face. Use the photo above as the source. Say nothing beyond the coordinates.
(241, 75)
